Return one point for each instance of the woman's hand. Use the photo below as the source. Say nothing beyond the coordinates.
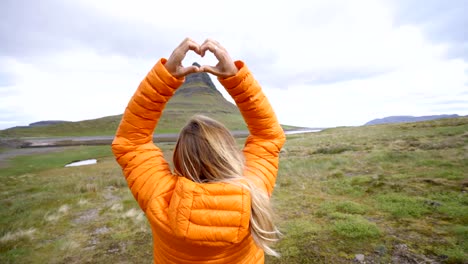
(174, 63)
(225, 67)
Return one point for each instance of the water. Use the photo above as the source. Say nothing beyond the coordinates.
(107, 140)
(82, 163)
(293, 132)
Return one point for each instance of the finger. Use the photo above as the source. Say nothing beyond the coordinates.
(186, 41)
(206, 43)
(210, 69)
(187, 45)
(188, 70)
(181, 51)
(211, 47)
(202, 48)
(210, 40)
(217, 44)
(192, 45)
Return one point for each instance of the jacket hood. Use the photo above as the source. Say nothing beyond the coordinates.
(210, 214)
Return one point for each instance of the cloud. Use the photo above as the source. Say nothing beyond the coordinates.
(321, 63)
(56, 90)
(442, 21)
(37, 28)
(5, 81)
(10, 114)
(450, 102)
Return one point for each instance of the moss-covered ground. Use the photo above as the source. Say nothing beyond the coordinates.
(393, 193)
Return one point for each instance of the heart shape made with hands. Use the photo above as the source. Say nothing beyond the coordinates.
(192, 57)
(187, 50)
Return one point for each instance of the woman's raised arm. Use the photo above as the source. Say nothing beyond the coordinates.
(266, 137)
(144, 167)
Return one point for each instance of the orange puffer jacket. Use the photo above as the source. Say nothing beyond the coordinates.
(193, 222)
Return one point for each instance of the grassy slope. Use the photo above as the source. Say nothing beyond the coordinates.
(375, 191)
(181, 107)
(395, 193)
(95, 127)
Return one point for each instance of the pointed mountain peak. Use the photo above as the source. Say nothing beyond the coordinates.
(198, 82)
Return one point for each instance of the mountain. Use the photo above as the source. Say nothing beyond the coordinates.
(48, 122)
(406, 119)
(198, 95)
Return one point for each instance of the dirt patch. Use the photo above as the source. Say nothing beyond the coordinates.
(402, 254)
(86, 216)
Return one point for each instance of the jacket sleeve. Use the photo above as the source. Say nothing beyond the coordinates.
(147, 173)
(266, 137)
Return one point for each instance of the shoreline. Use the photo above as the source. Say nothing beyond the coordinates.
(107, 140)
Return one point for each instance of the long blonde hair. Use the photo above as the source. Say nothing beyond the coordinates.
(207, 152)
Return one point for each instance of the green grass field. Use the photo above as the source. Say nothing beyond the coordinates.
(393, 193)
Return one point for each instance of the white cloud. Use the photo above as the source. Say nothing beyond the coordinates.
(321, 63)
(90, 87)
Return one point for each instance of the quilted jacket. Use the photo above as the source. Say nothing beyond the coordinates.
(193, 222)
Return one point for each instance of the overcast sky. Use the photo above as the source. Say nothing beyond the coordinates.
(322, 63)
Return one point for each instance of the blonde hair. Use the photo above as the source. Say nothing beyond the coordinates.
(207, 152)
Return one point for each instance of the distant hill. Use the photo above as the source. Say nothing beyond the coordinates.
(48, 122)
(198, 95)
(407, 119)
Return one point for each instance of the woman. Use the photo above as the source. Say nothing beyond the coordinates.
(215, 207)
